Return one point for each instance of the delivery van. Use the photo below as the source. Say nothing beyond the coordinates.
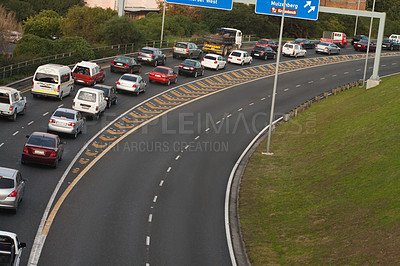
(90, 101)
(11, 103)
(53, 80)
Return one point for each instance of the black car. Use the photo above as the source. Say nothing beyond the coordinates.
(307, 44)
(358, 38)
(191, 67)
(390, 44)
(110, 92)
(125, 64)
(263, 52)
(153, 56)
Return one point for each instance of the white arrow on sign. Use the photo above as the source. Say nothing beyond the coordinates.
(308, 3)
(312, 8)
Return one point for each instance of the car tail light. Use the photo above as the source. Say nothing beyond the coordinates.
(13, 194)
(70, 124)
(293, 51)
(134, 86)
(119, 83)
(263, 52)
(229, 57)
(11, 108)
(97, 108)
(215, 62)
(187, 51)
(152, 55)
(192, 68)
(202, 59)
(58, 88)
(33, 84)
(239, 59)
(25, 150)
(51, 120)
(73, 104)
(53, 154)
(112, 63)
(326, 48)
(180, 66)
(126, 65)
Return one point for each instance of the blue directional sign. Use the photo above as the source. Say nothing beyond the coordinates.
(304, 9)
(219, 4)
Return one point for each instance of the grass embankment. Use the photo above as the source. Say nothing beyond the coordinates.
(330, 194)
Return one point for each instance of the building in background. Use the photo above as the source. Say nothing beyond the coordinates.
(133, 8)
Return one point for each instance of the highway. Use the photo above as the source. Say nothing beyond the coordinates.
(157, 196)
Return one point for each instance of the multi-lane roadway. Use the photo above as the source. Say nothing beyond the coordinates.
(157, 196)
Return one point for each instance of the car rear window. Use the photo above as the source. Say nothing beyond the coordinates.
(63, 114)
(236, 54)
(4, 98)
(122, 59)
(42, 141)
(82, 70)
(180, 45)
(129, 78)
(263, 41)
(46, 78)
(324, 43)
(87, 96)
(6, 182)
(189, 63)
(259, 48)
(146, 51)
(161, 70)
(290, 46)
(210, 57)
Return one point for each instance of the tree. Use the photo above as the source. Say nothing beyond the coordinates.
(22, 9)
(8, 24)
(44, 25)
(86, 22)
(60, 6)
(81, 48)
(121, 30)
(33, 46)
(175, 9)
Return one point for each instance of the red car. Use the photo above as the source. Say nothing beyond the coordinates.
(88, 73)
(267, 42)
(42, 148)
(163, 75)
(362, 46)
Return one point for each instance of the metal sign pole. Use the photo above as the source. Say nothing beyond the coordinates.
(369, 39)
(162, 25)
(271, 117)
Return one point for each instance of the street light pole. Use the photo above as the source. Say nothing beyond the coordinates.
(162, 25)
(271, 117)
(355, 28)
(369, 39)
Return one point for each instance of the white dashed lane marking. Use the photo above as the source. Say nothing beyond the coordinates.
(147, 241)
(322, 78)
(298, 85)
(169, 169)
(262, 99)
(15, 133)
(155, 199)
(30, 123)
(218, 122)
(161, 183)
(286, 89)
(1, 145)
(196, 138)
(150, 217)
(229, 115)
(311, 81)
(358, 69)
(346, 73)
(177, 157)
(207, 129)
(61, 105)
(45, 114)
(240, 109)
(334, 76)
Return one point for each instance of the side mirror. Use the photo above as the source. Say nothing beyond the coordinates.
(22, 245)
(27, 136)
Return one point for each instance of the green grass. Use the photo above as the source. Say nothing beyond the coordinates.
(330, 194)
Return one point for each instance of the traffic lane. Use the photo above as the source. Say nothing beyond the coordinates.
(158, 161)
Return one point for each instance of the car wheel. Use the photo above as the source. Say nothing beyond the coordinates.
(96, 116)
(55, 165)
(251, 61)
(137, 93)
(22, 161)
(109, 104)
(329, 52)
(116, 101)
(265, 57)
(180, 73)
(150, 80)
(338, 51)
(13, 117)
(305, 53)
(75, 134)
(156, 63)
(200, 55)
(195, 74)
(23, 110)
(202, 72)
(169, 82)
(295, 55)
(61, 96)
(112, 70)
(242, 63)
(163, 62)
(190, 56)
(176, 80)
(217, 68)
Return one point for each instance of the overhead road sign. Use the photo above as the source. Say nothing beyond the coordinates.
(218, 4)
(304, 9)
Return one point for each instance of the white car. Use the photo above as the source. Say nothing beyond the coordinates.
(395, 37)
(239, 57)
(90, 101)
(10, 249)
(293, 49)
(213, 61)
(11, 103)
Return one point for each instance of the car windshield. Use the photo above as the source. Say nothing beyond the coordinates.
(210, 57)
(129, 78)
(87, 96)
(236, 54)
(147, 51)
(49, 78)
(4, 97)
(180, 45)
(6, 182)
(42, 141)
(189, 63)
(122, 59)
(63, 114)
(161, 70)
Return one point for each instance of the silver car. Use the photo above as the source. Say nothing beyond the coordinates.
(11, 188)
(66, 121)
(132, 83)
(328, 48)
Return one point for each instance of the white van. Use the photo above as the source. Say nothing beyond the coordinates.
(90, 101)
(53, 80)
(11, 103)
(395, 37)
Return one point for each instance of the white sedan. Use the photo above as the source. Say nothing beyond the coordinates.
(239, 57)
(213, 61)
(292, 49)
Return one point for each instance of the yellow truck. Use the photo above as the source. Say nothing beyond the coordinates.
(223, 42)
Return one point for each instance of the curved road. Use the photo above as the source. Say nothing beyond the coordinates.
(156, 202)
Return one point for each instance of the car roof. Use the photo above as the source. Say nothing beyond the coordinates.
(132, 75)
(54, 66)
(184, 42)
(90, 90)
(44, 134)
(239, 51)
(7, 89)
(190, 60)
(213, 54)
(7, 172)
(163, 67)
(66, 110)
(86, 64)
(151, 48)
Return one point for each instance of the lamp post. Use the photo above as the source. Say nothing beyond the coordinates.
(369, 39)
(162, 25)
